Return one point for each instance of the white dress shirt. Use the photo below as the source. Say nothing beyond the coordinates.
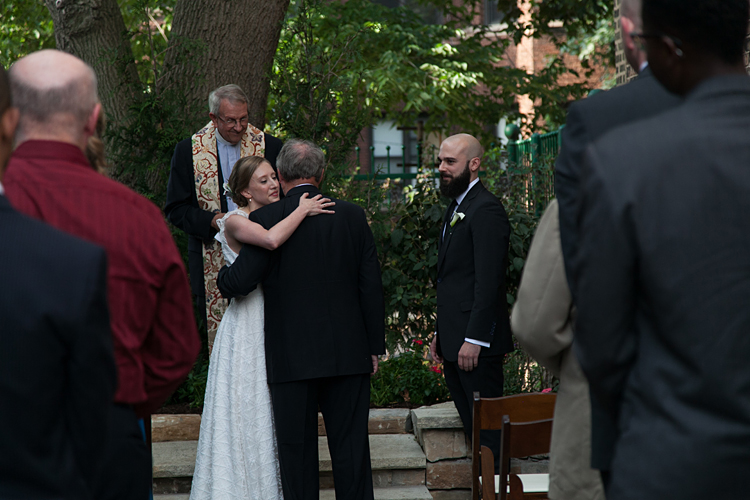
(228, 156)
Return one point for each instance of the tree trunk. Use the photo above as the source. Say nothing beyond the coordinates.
(239, 43)
(95, 31)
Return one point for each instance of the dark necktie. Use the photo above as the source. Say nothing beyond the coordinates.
(448, 215)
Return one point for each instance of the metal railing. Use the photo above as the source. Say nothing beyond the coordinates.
(531, 162)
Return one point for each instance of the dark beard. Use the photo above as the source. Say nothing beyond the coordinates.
(457, 185)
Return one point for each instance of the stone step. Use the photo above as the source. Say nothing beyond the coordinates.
(392, 493)
(186, 427)
(397, 460)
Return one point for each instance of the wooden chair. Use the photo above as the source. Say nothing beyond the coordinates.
(488, 415)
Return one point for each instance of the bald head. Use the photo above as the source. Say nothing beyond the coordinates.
(55, 93)
(467, 144)
(632, 10)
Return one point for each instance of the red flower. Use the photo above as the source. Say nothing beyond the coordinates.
(436, 369)
(548, 389)
(418, 342)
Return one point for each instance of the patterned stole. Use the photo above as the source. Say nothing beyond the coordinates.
(206, 170)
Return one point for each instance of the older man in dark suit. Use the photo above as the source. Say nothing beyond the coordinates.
(473, 330)
(588, 120)
(664, 274)
(325, 325)
(57, 368)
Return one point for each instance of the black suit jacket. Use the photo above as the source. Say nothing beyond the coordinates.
(325, 314)
(57, 369)
(472, 256)
(182, 208)
(663, 330)
(588, 120)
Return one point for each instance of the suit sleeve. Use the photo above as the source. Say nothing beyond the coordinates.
(605, 340)
(172, 345)
(371, 299)
(182, 204)
(541, 314)
(490, 233)
(248, 269)
(273, 147)
(91, 371)
(575, 139)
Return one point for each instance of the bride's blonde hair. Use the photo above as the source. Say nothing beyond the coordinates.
(240, 177)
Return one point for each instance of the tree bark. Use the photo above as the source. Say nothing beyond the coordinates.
(239, 44)
(94, 30)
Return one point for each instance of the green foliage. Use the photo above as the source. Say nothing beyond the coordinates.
(25, 27)
(193, 389)
(409, 378)
(407, 241)
(523, 374)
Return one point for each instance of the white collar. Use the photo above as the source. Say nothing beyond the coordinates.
(2, 190)
(225, 142)
(461, 196)
(644, 64)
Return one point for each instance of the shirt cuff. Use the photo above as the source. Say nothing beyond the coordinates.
(477, 342)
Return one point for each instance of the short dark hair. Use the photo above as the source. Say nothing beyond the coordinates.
(717, 26)
(5, 100)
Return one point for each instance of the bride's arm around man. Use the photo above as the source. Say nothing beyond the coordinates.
(324, 327)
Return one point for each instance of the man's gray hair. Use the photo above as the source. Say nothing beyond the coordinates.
(232, 93)
(300, 159)
(77, 98)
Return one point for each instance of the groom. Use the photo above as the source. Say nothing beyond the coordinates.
(324, 329)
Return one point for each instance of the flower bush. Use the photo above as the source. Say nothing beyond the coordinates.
(410, 378)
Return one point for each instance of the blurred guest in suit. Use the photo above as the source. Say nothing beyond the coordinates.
(57, 369)
(153, 327)
(664, 272)
(587, 120)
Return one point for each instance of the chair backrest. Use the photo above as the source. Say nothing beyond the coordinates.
(519, 439)
(488, 415)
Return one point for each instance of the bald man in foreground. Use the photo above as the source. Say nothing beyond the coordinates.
(151, 313)
(473, 330)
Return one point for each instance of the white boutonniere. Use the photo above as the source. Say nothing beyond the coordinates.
(227, 191)
(457, 216)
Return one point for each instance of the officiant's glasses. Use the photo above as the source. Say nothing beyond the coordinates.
(672, 42)
(231, 122)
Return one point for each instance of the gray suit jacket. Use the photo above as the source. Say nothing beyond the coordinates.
(588, 120)
(541, 321)
(663, 329)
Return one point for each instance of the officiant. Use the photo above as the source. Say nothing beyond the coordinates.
(195, 194)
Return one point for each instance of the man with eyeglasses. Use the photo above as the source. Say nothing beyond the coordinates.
(196, 196)
(587, 120)
(664, 275)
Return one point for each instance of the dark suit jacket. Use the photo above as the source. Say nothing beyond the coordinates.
(588, 120)
(472, 256)
(57, 369)
(325, 314)
(182, 208)
(663, 330)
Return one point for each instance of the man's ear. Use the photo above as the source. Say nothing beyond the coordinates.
(628, 26)
(8, 125)
(474, 164)
(90, 127)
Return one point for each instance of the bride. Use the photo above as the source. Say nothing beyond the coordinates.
(237, 455)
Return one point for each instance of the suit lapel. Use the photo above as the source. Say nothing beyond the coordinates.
(465, 204)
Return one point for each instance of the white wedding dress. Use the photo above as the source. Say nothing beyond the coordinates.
(237, 454)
